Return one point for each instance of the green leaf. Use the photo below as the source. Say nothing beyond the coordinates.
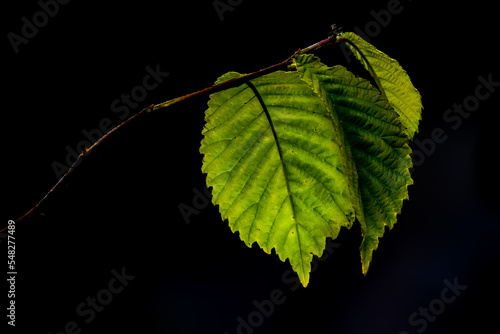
(293, 156)
(285, 189)
(378, 144)
(392, 79)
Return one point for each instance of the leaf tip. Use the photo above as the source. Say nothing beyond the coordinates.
(364, 267)
(304, 279)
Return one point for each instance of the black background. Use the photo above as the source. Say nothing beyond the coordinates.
(119, 209)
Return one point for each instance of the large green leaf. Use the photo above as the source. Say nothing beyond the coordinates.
(393, 80)
(286, 189)
(294, 156)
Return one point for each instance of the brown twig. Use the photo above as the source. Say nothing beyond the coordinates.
(209, 90)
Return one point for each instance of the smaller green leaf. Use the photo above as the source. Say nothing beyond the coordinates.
(393, 80)
(375, 141)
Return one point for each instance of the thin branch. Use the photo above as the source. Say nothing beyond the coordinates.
(80, 157)
(209, 90)
(240, 80)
